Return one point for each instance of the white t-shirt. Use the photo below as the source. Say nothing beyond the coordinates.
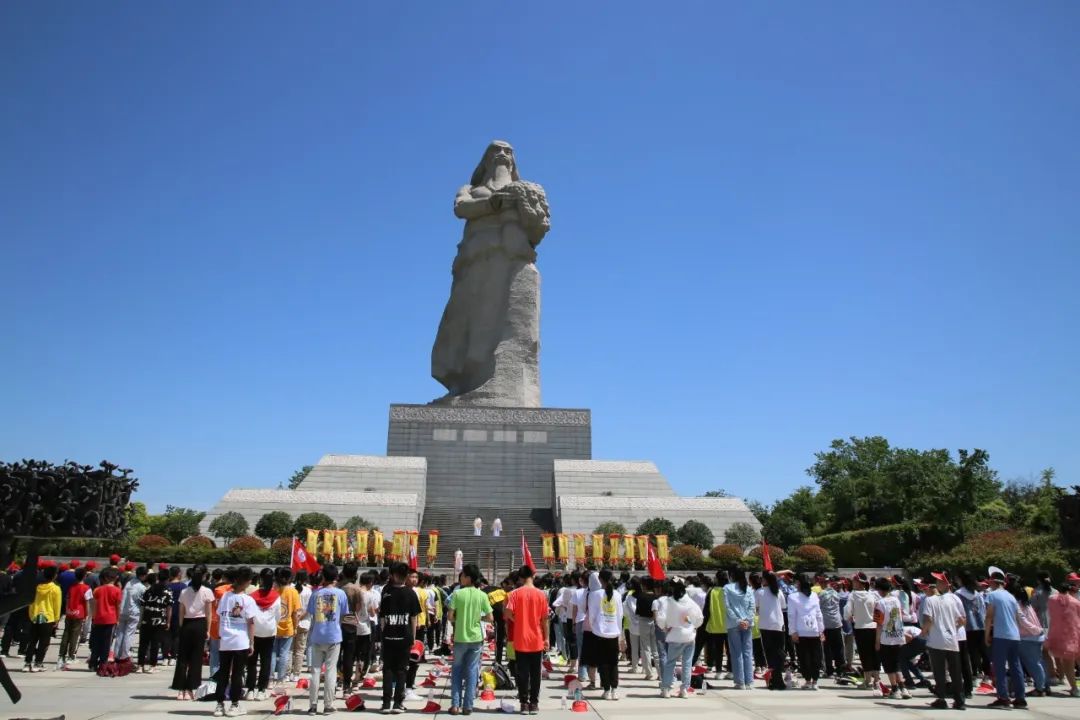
(366, 614)
(194, 601)
(305, 595)
(605, 615)
(892, 626)
(944, 611)
(770, 608)
(266, 620)
(697, 595)
(579, 605)
(234, 611)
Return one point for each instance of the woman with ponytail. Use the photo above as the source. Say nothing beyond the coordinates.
(740, 607)
(771, 605)
(196, 603)
(605, 618)
(679, 618)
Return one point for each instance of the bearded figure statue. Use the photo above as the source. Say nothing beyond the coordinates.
(487, 350)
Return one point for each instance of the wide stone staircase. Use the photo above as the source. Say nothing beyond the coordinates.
(496, 556)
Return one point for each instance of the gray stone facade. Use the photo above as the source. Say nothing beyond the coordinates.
(581, 514)
(489, 457)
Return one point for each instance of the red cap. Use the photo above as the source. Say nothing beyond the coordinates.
(368, 683)
(417, 652)
(91, 564)
(431, 707)
(1073, 578)
(354, 702)
(63, 567)
(984, 584)
(74, 564)
(580, 706)
(281, 704)
(941, 576)
(163, 566)
(129, 566)
(114, 559)
(13, 568)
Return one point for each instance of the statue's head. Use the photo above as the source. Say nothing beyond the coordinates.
(499, 152)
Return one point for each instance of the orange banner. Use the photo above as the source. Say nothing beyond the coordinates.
(579, 548)
(628, 541)
(547, 547)
(312, 544)
(378, 545)
(564, 547)
(643, 548)
(360, 549)
(662, 549)
(598, 549)
(432, 547)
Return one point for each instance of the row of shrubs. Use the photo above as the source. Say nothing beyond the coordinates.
(806, 558)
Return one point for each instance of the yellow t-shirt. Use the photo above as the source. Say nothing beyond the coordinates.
(421, 595)
(290, 603)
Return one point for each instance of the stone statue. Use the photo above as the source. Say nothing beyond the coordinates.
(487, 350)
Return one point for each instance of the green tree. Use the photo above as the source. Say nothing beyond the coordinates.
(657, 526)
(1033, 505)
(274, 525)
(742, 534)
(138, 521)
(718, 493)
(759, 509)
(176, 523)
(697, 534)
(299, 475)
(785, 530)
(358, 523)
(609, 527)
(313, 521)
(229, 526)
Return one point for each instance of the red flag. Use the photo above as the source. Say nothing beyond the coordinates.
(301, 560)
(765, 557)
(526, 556)
(414, 563)
(656, 570)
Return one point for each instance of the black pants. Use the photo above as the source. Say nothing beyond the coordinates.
(349, 650)
(189, 654)
(978, 653)
(500, 640)
(940, 661)
(700, 641)
(607, 656)
(571, 639)
(395, 657)
(172, 647)
(100, 642)
(363, 655)
(17, 630)
(528, 677)
(809, 654)
(965, 668)
(264, 648)
(775, 647)
(716, 643)
(759, 653)
(834, 651)
(40, 634)
(231, 675)
(865, 643)
(152, 640)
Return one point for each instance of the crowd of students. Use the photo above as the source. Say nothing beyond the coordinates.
(259, 633)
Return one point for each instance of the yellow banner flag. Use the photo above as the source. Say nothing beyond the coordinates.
(643, 548)
(628, 541)
(341, 542)
(361, 544)
(564, 547)
(414, 544)
(312, 544)
(328, 545)
(662, 549)
(613, 552)
(378, 545)
(579, 548)
(547, 547)
(399, 547)
(432, 547)
(598, 549)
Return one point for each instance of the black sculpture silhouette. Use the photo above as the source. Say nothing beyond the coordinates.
(40, 501)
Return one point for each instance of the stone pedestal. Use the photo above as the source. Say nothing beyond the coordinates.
(489, 457)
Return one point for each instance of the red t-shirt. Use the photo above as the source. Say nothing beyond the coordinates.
(530, 608)
(78, 595)
(106, 605)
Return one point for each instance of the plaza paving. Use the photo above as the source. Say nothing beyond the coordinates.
(79, 695)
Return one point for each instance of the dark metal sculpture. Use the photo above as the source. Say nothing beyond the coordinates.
(40, 501)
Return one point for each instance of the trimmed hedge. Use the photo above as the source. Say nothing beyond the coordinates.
(199, 541)
(812, 557)
(776, 554)
(727, 555)
(1015, 551)
(685, 557)
(882, 546)
(149, 542)
(247, 543)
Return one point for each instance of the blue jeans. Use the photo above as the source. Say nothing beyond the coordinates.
(1031, 657)
(463, 675)
(560, 638)
(1002, 653)
(215, 656)
(741, 649)
(661, 647)
(675, 653)
(281, 657)
(579, 636)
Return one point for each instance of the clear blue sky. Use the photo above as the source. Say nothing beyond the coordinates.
(226, 228)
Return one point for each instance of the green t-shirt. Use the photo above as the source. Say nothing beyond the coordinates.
(469, 605)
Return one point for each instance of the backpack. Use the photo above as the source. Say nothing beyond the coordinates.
(503, 681)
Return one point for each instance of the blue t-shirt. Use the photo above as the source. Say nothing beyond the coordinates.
(1006, 612)
(326, 606)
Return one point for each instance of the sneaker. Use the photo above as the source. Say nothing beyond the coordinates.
(534, 709)
(1022, 704)
(738, 686)
(813, 686)
(904, 694)
(939, 704)
(717, 675)
(39, 668)
(615, 695)
(235, 711)
(1000, 703)
(219, 710)
(260, 694)
(606, 695)
(398, 709)
(385, 709)
(959, 706)
(313, 710)
(877, 692)
(28, 668)
(410, 694)
(664, 692)
(466, 711)
(728, 676)
(249, 695)
(648, 676)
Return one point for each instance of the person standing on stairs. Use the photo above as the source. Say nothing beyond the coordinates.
(478, 526)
